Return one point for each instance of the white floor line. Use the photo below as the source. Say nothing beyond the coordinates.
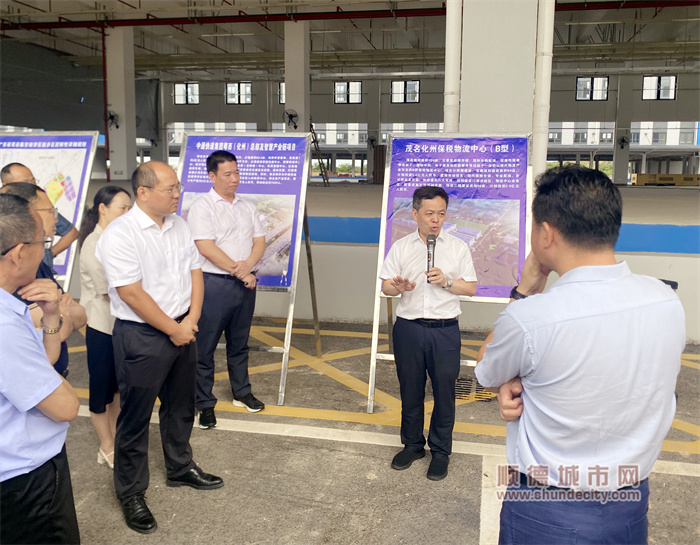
(490, 504)
(388, 439)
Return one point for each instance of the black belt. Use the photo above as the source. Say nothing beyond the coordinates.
(524, 482)
(227, 276)
(429, 322)
(182, 316)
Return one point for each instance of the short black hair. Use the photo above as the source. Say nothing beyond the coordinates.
(218, 157)
(143, 176)
(16, 221)
(581, 203)
(428, 192)
(25, 190)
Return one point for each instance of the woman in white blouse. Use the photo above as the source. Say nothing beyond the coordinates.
(110, 203)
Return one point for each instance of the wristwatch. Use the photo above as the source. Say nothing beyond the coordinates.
(449, 284)
(515, 294)
(51, 330)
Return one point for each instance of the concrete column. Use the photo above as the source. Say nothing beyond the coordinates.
(500, 99)
(159, 147)
(297, 49)
(374, 123)
(644, 164)
(352, 165)
(578, 158)
(591, 160)
(623, 134)
(121, 102)
(453, 59)
(262, 98)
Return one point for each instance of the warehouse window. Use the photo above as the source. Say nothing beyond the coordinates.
(239, 93)
(405, 91)
(659, 88)
(187, 93)
(592, 88)
(348, 92)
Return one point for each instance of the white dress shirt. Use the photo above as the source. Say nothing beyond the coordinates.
(407, 258)
(133, 248)
(93, 286)
(232, 226)
(598, 354)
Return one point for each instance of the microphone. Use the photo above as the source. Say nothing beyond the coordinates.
(430, 243)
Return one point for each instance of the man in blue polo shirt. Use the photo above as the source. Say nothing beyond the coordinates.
(36, 403)
(594, 361)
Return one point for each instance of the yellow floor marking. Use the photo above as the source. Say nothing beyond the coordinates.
(324, 332)
(470, 352)
(387, 418)
(392, 416)
(691, 364)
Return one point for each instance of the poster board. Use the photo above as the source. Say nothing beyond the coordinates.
(61, 163)
(488, 181)
(274, 170)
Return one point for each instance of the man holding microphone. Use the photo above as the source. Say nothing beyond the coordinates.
(426, 332)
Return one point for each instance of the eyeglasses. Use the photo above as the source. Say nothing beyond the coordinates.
(179, 188)
(53, 210)
(47, 242)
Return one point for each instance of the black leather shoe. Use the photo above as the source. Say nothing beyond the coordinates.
(437, 470)
(406, 457)
(138, 516)
(196, 478)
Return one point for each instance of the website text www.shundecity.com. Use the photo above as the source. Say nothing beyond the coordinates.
(510, 485)
(548, 494)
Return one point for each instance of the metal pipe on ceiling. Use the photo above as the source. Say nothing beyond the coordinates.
(326, 16)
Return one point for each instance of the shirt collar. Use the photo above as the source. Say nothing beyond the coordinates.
(416, 236)
(594, 273)
(10, 301)
(214, 195)
(145, 221)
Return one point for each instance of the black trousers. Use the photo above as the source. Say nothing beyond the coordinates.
(149, 366)
(38, 507)
(228, 307)
(417, 350)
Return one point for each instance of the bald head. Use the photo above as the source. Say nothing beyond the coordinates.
(16, 172)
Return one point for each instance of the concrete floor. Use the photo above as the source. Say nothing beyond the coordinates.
(317, 470)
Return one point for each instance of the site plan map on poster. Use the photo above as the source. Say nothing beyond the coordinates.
(272, 170)
(486, 181)
(61, 163)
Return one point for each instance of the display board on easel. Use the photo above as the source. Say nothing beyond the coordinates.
(61, 163)
(488, 180)
(274, 171)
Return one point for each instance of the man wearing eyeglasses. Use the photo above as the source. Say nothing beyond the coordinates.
(74, 316)
(17, 172)
(36, 404)
(155, 282)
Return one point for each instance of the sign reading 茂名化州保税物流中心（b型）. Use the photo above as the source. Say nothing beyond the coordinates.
(61, 163)
(273, 176)
(486, 181)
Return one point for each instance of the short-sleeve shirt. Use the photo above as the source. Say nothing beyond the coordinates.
(598, 354)
(232, 226)
(93, 286)
(28, 438)
(63, 227)
(407, 258)
(133, 248)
